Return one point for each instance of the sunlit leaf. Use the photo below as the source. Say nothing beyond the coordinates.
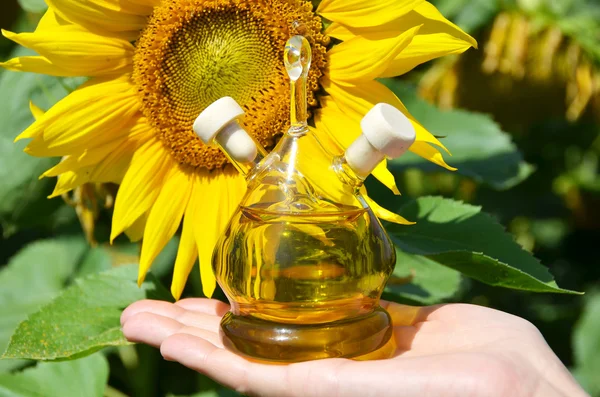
(32, 278)
(459, 236)
(84, 318)
(85, 377)
(417, 279)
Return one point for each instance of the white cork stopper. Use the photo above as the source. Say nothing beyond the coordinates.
(218, 122)
(387, 132)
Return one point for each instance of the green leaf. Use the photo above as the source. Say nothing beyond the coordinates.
(33, 277)
(458, 236)
(84, 318)
(419, 280)
(480, 149)
(23, 200)
(34, 6)
(586, 345)
(85, 377)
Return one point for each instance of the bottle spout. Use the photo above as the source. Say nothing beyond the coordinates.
(297, 59)
(218, 125)
(386, 132)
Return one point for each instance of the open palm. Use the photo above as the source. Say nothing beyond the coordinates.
(446, 350)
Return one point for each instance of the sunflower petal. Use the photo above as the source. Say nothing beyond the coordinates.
(422, 49)
(442, 25)
(74, 173)
(98, 112)
(216, 196)
(36, 112)
(359, 59)
(136, 231)
(114, 16)
(69, 181)
(79, 161)
(36, 64)
(437, 37)
(339, 31)
(78, 53)
(141, 185)
(115, 165)
(164, 218)
(356, 101)
(98, 153)
(384, 214)
(146, 3)
(186, 254)
(360, 13)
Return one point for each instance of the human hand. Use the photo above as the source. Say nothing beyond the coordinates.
(443, 351)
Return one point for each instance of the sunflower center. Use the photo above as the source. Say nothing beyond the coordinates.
(194, 52)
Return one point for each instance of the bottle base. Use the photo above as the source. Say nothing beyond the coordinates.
(270, 341)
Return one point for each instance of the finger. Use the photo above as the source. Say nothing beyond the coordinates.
(206, 306)
(151, 329)
(176, 312)
(212, 337)
(226, 367)
(162, 308)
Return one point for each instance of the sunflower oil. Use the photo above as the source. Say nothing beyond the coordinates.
(304, 260)
(307, 285)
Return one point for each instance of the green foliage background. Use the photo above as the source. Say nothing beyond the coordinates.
(482, 233)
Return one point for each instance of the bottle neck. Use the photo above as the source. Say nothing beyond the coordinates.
(346, 174)
(298, 107)
(240, 148)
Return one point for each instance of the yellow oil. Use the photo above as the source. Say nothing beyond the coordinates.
(306, 285)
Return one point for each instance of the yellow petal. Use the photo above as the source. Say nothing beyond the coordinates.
(146, 3)
(139, 131)
(340, 32)
(425, 14)
(36, 112)
(94, 114)
(360, 13)
(360, 59)
(36, 64)
(69, 181)
(85, 159)
(382, 213)
(186, 255)
(430, 153)
(164, 218)
(356, 101)
(115, 165)
(437, 37)
(111, 169)
(216, 196)
(51, 21)
(141, 185)
(424, 48)
(430, 13)
(136, 231)
(72, 53)
(114, 16)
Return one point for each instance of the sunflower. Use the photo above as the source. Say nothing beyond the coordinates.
(154, 65)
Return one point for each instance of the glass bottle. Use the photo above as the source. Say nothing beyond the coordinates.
(304, 260)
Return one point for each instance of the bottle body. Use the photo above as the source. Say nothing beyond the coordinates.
(308, 284)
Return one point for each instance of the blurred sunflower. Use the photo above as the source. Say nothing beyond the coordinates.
(155, 65)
